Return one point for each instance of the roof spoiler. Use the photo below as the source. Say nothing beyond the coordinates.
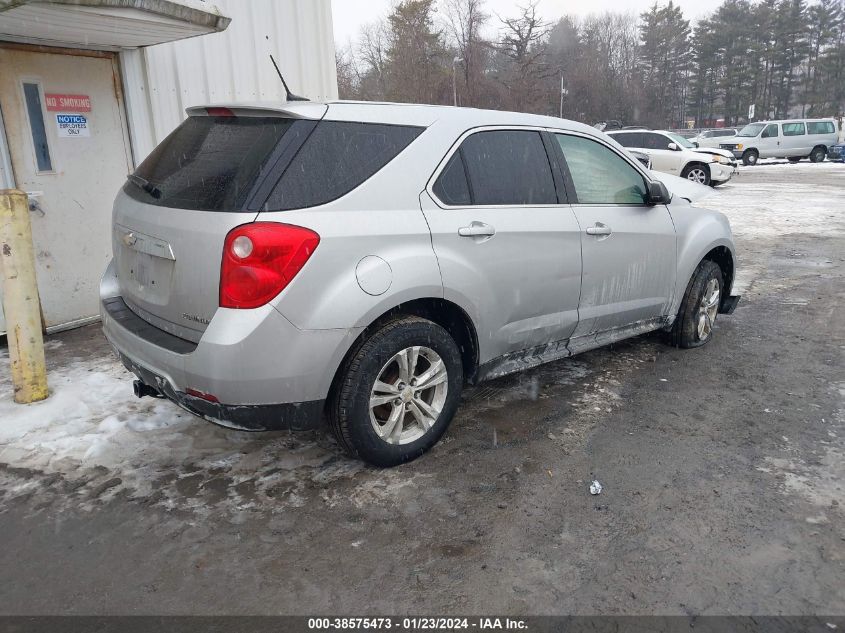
(295, 110)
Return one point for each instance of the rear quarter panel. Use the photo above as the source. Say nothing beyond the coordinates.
(380, 218)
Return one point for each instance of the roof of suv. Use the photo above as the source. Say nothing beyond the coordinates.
(394, 114)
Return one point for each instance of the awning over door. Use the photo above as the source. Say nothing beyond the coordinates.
(107, 24)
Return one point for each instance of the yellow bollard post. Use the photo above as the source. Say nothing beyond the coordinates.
(20, 299)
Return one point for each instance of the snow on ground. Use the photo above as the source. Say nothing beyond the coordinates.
(778, 203)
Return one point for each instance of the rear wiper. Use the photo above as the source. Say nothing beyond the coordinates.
(146, 185)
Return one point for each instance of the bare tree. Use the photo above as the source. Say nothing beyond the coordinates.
(465, 19)
(373, 45)
(522, 48)
(348, 78)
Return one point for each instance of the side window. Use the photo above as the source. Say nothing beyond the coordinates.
(629, 139)
(600, 175)
(655, 141)
(337, 157)
(771, 131)
(820, 127)
(793, 129)
(508, 167)
(452, 186)
(32, 97)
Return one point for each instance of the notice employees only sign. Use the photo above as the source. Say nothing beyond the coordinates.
(70, 123)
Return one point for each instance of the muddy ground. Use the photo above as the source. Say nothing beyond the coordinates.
(723, 471)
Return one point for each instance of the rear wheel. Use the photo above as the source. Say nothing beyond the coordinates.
(794, 159)
(693, 326)
(697, 173)
(750, 157)
(397, 393)
(818, 154)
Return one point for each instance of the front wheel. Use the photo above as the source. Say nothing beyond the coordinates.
(397, 392)
(818, 155)
(749, 157)
(693, 326)
(697, 173)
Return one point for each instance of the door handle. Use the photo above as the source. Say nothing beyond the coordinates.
(599, 229)
(477, 229)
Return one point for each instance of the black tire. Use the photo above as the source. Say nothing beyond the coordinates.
(750, 157)
(699, 167)
(818, 154)
(685, 331)
(794, 159)
(349, 404)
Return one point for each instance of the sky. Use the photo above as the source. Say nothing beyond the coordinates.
(349, 15)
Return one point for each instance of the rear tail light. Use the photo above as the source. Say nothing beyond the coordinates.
(260, 260)
(219, 112)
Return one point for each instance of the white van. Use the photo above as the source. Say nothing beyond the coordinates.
(793, 139)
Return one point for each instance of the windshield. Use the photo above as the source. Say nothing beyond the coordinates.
(680, 140)
(752, 129)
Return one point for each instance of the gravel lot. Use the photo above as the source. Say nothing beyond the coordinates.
(723, 471)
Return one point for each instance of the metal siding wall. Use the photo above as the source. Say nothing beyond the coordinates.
(234, 66)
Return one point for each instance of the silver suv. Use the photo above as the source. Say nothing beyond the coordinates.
(360, 263)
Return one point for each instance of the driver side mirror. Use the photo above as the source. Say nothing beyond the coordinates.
(673, 147)
(657, 194)
(695, 143)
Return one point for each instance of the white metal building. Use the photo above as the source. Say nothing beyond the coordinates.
(89, 87)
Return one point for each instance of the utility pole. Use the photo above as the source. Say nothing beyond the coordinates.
(20, 299)
(455, 63)
(563, 93)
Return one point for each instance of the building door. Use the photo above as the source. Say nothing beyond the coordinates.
(66, 137)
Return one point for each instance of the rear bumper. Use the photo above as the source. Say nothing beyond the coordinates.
(293, 416)
(263, 371)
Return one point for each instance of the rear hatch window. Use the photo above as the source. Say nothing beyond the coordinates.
(241, 163)
(208, 163)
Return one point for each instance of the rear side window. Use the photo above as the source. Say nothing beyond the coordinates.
(793, 129)
(452, 186)
(820, 127)
(208, 163)
(600, 175)
(336, 158)
(507, 167)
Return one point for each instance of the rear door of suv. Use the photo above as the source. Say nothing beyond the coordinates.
(507, 243)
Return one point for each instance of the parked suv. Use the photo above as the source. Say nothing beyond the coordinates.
(793, 139)
(673, 154)
(361, 263)
(712, 138)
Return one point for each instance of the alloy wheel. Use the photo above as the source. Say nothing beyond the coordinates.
(698, 175)
(707, 309)
(408, 395)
